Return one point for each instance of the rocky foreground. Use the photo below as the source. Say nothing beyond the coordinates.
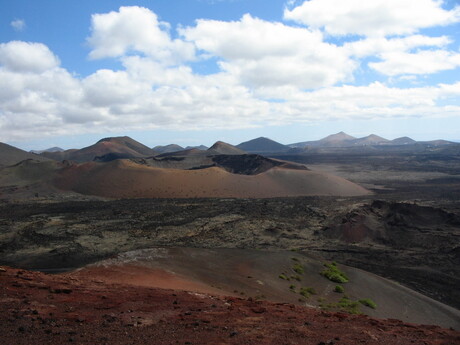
(36, 308)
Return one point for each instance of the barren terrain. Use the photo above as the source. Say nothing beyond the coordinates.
(44, 309)
(407, 230)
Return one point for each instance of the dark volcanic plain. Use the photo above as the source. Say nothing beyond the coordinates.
(408, 230)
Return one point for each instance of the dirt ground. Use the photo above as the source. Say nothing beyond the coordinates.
(44, 309)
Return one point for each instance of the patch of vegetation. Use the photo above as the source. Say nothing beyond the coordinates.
(295, 259)
(298, 268)
(292, 287)
(368, 303)
(345, 305)
(333, 273)
(307, 291)
(339, 289)
(283, 276)
(296, 277)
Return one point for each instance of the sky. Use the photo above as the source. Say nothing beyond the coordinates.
(193, 72)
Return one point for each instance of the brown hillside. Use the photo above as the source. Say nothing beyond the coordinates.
(10, 155)
(126, 179)
(124, 146)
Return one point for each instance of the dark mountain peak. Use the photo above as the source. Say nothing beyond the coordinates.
(168, 148)
(262, 144)
(403, 141)
(341, 136)
(51, 149)
(115, 139)
(223, 148)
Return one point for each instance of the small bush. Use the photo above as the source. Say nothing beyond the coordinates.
(295, 259)
(333, 273)
(339, 289)
(292, 287)
(347, 305)
(368, 303)
(307, 291)
(283, 276)
(298, 268)
(296, 278)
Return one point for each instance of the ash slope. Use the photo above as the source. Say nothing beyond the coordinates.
(64, 309)
(127, 179)
(256, 274)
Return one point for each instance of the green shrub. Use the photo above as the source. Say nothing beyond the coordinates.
(296, 277)
(368, 303)
(292, 287)
(307, 291)
(298, 268)
(283, 276)
(333, 273)
(339, 289)
(347, 305)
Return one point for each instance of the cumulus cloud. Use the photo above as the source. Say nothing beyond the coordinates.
(381, 45)
(423, 62)
(27, 57)
(268, 73)
(18, 24)
(135, 29)
(264, 53)
(372, 18)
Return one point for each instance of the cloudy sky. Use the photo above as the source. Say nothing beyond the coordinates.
(196, 71)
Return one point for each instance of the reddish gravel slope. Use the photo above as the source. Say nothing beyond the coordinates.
(41, 309)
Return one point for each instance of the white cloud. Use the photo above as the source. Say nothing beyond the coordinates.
(377, 46)
(264, 71)
(372, 18)
(26, 57)
(135, 29)
(264, 53)
(18, 24)
(422, 62)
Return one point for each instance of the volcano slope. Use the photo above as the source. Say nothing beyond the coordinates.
(278, 276)
(60, 309)
(128, 179)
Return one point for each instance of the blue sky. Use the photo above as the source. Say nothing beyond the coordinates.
(196, 71)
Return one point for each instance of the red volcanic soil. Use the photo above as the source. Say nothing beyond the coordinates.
(42, 309)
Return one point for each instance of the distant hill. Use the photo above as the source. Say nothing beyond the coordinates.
(10, 155)
(262, 145)
(334, 140)
(51, 149)
(343, 140)
(117, 146)
(221, 148)
(403, 141)
(369, 140)
(200, 147)
(168, 148)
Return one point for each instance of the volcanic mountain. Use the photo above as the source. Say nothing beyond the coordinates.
(403, 141)
(168, 148)
(262, 145)
(51, 149)
(128, 179)
(221, 148)
(369, 140)
(115, 147)
(333, 140)
(10, 155)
